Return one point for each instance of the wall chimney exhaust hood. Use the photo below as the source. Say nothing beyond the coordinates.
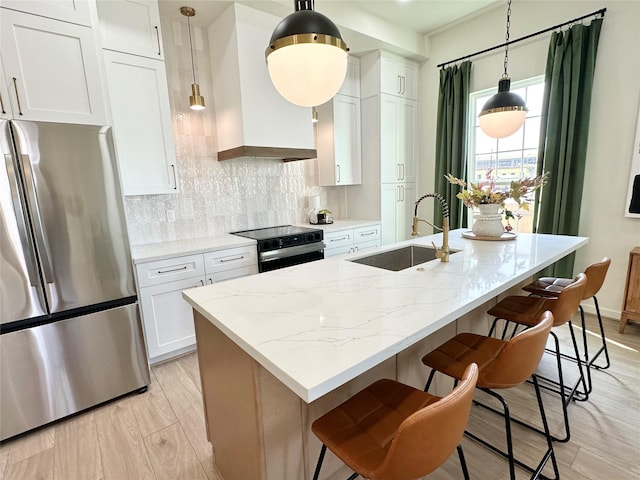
(252, 119)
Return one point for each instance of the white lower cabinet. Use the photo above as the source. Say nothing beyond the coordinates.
(351, 240)
(166, 316)
(168, 319)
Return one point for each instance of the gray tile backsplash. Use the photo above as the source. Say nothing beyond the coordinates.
(217, 197)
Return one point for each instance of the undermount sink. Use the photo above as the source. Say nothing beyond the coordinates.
(400, 258)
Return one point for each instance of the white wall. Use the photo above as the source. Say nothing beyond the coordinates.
(615, 103)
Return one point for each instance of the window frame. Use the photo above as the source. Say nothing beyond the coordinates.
(473, 124)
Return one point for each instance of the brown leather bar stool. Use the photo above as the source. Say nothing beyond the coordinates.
(390, 431)
(526, 311)
(553, 287)
(502, 364)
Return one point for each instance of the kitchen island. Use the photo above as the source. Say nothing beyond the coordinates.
(279, 349)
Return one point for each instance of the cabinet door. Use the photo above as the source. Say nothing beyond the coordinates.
(407, 140)
(74, 11)
(351, 84)
(389, 141)
(51, 69)
(409, 79)
(390, 197)
(390, 76)
(167, 317)
(5, 106)
(398, 139)
(139, 99)
(131, 26)
(405, 210)
(339, 150)
(399, 77)
(347, 140)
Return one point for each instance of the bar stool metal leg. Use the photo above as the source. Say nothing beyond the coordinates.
(549, 454)
(463, 463)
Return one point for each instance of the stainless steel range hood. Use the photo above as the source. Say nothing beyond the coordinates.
(252, 119)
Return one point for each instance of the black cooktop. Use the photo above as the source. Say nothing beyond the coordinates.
(275, 232)
(274, 238)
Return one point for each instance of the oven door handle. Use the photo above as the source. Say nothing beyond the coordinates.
(286, 252)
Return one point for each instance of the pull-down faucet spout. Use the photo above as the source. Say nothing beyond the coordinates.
(443, 252)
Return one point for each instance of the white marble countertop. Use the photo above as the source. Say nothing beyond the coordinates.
(338, 225)
(318, 325)
(177, 248)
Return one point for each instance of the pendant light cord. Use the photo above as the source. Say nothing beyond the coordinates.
(193, 68)
(506, 45)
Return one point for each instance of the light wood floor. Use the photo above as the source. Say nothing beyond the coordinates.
(161, 434)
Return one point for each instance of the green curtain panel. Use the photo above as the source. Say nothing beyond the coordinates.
(451, 139)
(564, 133)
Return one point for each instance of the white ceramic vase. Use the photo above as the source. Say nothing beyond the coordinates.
(488, 223)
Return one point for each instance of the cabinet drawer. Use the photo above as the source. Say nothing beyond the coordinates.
(234, 273)
(364, 246)
(366, 234)
(332, 252)
(169, 270)
(230, 258)
(338, 239)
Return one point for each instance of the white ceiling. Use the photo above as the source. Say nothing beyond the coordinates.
(422, 16)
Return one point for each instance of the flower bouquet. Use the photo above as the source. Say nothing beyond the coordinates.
(476, 195)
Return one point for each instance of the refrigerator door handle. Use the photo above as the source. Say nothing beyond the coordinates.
(30, 261)
(41, 240)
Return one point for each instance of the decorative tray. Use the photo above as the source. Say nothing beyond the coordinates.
(503, 237)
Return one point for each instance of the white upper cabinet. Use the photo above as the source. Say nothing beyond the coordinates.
(131, 26)
(383, 72)
(398, 139)
(51, 69)
(390, 129)
(351, 84)
(5, 106)
(139, 99)
(74, 11)
(338, 145)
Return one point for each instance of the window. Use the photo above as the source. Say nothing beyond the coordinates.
(512, 157)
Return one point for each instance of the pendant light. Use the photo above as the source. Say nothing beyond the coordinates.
(196, 101)
(306, 57)
(504, 113)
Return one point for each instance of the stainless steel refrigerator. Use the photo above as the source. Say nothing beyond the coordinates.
(70, 332)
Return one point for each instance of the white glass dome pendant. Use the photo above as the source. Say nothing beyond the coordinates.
(307, 57)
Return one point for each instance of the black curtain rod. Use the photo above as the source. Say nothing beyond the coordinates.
(596, 13)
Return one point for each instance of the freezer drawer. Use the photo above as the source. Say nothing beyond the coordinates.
(54, 370)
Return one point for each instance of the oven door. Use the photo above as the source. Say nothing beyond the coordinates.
(289, 256)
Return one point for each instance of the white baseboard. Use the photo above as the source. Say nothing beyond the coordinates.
(589, 307)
